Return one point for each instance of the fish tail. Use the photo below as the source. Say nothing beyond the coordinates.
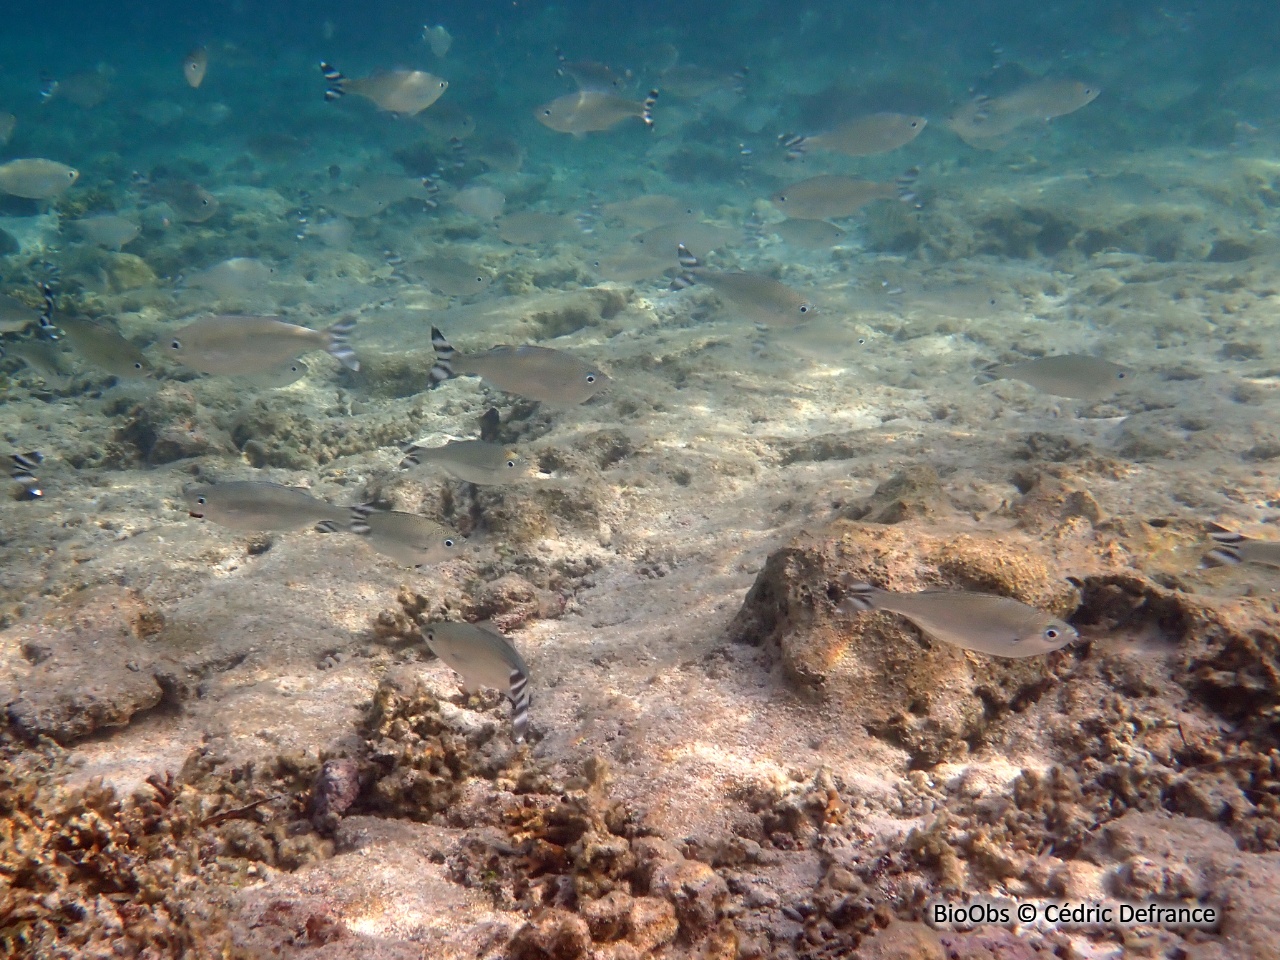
(858, 598)
(337, 83)
(48, 87)
(797, 145)
(906, 184)
(326, 526)
(442, 370)
(339, 347)
(740, 80)
(359, 523)
(24, 467)
(646, 112)
(520, 700)
(410, 460)
(987, 374)
(688, 263)
(46, 312)
(1227, 551)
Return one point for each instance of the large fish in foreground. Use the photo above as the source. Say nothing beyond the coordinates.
(242, 345)
(484, 658)
(36, 178)
(1077, 376)
(1232, 548)
(539, 373)
(258, 505)
(402, 92)
(591, 111)
(989, 624)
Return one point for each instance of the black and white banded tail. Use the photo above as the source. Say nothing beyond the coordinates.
(337, 83)
(442, 369)
(339, 346)
(410, 459)
(47, 326)
(858, 598)
(646, 113)
(688, 263)
(359, 523)
(796, 144)
(520, 701)
(23, 471)
(1227, 549)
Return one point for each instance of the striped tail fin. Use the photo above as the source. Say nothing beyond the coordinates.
(646, 113)
(1227, 547)
(442, 370)
(858, 598)
(360, 519)
(47, 326)
(339, 347)
(410, 460)
(797, 145)
(23, 471)
(520, 701)
(688, 263)
(906, 184)
(337, 83)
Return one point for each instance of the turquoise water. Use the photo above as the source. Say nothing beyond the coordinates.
(942, 296)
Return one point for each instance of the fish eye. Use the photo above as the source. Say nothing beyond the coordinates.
(176, 344)
(137, 365)
(861, 341)
(479, 279)
(804, 308)
(591, 378)
(202, 500)
(914, 124)
(1121, 375)
(511, 463)
(1051, 634)
(448, 543)
(546, 113)
(782, 198)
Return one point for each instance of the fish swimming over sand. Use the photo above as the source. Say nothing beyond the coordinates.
(533, 227)
(1070, 375)
(809, 234)
(474, 461)
(107, 230)
(45, 358)
(259, 505)
(762, 299)
(538, 373)
(36, 178)
(1232, 548)
(86, 88)
(194, 66)
(453, 277)
(989, 624)
(190, 202)
(245, 345)
(438, 39)
(285, 376)
(234, 277)
(403, 92)
(412, 539)
(832, 196)
(591, 111)
(95, 342)
(7, 123)
(484, 658)
(592, 75)
(984, 121)
(22, 469)
(860, 137)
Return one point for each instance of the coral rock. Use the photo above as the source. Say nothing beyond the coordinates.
(552, 935)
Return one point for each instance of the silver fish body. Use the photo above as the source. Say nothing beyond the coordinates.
(1076, 376)
(539, 373)
(104, 348)
(762, 299)
(36, 178)
(474, 461)
(484, 658)
(998, 626)
(412, 539)
(862, 136)
(591, 111)
(246, 345)
(258, 505)
(402, 92)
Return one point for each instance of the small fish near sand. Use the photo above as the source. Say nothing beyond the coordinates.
(36, 178)
(593, 111)
(194, 66)
(538, 373)
(865, 136)
(107, 230)
(473, 461)
(760, 298)
(1235, 548)
(413, 540)
(190, 202)
(986, 122)
(402, 92)
(231, 345)
(484, 658)
(16, 316)
(259, 505)
(985, 623)
(1076, 376)
(96, 343)
(833, 196)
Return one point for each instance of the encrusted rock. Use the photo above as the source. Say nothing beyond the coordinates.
(902, 941)
(695, 890)
(336, 787)
(554, 934)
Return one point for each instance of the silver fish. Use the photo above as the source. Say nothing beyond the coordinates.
(45, 357)
(809, 234)
(36, 179)
(235, 277)
(107, 230)
(236, 345)
(763, 299)
(985, 121)
(453, 277)
(402, 92)
(474, 461)
(982, 622)
(539, 373)
(258, 505)
(285, 376)
(408, 537)
(191, 202)
(23, 472)
(1070, 375)
(590, 111)
(484, 658)
(530, 227)
(104, 348)
(832, 196)
(194, 66)
(1233, 548)
(860, 137)
(16, 316)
